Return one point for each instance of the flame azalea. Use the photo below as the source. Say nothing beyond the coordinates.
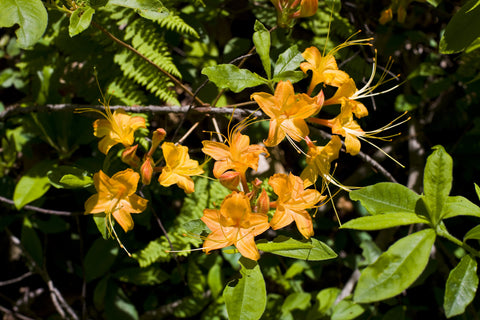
(118, 127)
(346, 94)
(292, 202)
(116, 197)
(319, 161)
(324, 69)
(287, 10)
(287, 112)
(179, 167)
(234, 224)
(236, 154)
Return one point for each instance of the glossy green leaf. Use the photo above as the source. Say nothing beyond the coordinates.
(80, 20)
(30, 15)
(473, 233)
(326, 299)
(101, 223)
(463, 28)
(246, 298)
(386, 197)
(459, 206)
(33, 184)
(396, 269)
(31, 242)
(149, 276)
(99, 258)
(292, 76)
(261, 40)
(311, 250)
(384, 221)
(228, 76)
(461, 287)
(69, 177)
(296, 300)
(346, 310)
(437, 182)
(289, 60)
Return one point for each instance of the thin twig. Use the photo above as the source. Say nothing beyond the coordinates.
(14, 314)
(15, 280)
(42, 210)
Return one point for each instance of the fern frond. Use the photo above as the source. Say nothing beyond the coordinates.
(173, 22)
(126, 92)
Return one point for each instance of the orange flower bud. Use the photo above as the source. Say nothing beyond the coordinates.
(146, 171)
(263, 202)
(386, 16)
(230, 180)
(157, 137)
(307, 8)
(129, 156)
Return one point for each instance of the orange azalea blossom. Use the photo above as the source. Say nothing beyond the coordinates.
(234, 224)
(236, 154)
(287, 112)
(179, 167)
(346, 94)
(287, 10)
(116, 197)
(319, 161)
(118, 127)
(292, 202)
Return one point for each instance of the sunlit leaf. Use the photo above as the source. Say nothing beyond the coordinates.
(461, 286)
(311, 250)
(459, 206)
(69, 177)
(80, 20)
(396, 269)
(346, 310)
(384, 221)
(473, 233)
(261, 40)
(228, 76)
(33, 184)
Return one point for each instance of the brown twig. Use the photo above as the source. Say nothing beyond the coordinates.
(42, 210)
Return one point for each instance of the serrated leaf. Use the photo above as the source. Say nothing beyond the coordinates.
(473, 233)
(31, 242)
(437, 182)
(99, 258)
(261, 40)
(80, 20)
(384, 221)
(396, 269)
(33, 184)
(386, 197)
(30, 15)
(459, 206)
(228, 76)
(310, 250)
(461, 286)
(69, 177)
(246, 298)
(463, 28)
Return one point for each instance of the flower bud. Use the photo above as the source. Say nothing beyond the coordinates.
(386, 16)
(263, 202)
(129, 156)
(146, 171)
(157, 137)
(230, 180)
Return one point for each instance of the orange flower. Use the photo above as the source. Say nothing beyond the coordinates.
(179, 167)
(319, 161)
(234, 224)
(116, 197)
(236, 154)
(292, 202)
(324, 69)
(346, 94)
(287, 112)
(118, 127)
(287, 10)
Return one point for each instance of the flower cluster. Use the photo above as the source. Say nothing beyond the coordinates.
(244, 213)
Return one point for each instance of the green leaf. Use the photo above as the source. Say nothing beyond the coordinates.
(246, 298)
(117, 304)
(461, 287)
(292, 76)
(228, 76)
(69, 177)
(473, 233)
(463, 28)
(214, 278)
(346, 310)
(149, 276)
(195, 279)
(289, 60)
(101, 222)
(384, 221)
(386, 197)
(477, 190)
(30, 15)
(31, 242)
(99, 258)
(33, 184)
(152, 5)
(296, 300)
(261, 40)
(396, 269)
(80, 20)
(96, 3)
(325, 300)
(437, 182)
(459, 206)
(311, 250)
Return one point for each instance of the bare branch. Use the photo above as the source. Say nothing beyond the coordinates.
(42, 210)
